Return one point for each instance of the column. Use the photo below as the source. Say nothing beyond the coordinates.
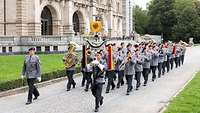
(21, 17)
(68, 19)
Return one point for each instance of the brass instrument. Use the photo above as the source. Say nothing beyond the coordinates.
(70, 57)
(129, 56)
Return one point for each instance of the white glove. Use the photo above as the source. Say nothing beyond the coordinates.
(22, 76)
(39, 79)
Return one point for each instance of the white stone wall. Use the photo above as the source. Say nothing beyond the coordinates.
(23, 16)
(127, 13)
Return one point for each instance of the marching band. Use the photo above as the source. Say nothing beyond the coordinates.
(130, 62)
(111, 62)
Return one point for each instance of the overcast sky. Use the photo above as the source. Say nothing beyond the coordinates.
(142, 3)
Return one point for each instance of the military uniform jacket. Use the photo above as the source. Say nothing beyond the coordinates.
(165, 54)
(139, 62)
(147, 59)
(178, 52)
(161, 56)
(120, 61)
(155, 57)
(31, 68)
(88, 68)
(130, 67)
(169, 53)
(98, 74)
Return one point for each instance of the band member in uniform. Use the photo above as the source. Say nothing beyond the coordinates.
(183, 50)
(146, 64)
(160, 60)
(177, 54)
(98, 81)
(173, 55)
(138, 67)
(154, 61)
(170, 55)
(129, 70)
(88, 68)
(110, 69)
(120, 66)
(70, 60)
(124, 50)
(165, 58)
(31, 70)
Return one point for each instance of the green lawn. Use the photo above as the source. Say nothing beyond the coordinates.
(188, 101)
(11, 66)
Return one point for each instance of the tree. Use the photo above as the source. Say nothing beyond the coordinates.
(188, 20)
(162, 18)
(141, 20)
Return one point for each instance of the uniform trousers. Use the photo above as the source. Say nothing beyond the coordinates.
(120, 78)
(138, 77)
(71, 81)
(110, 75)
(97, 93)
(88, 76)
(160, 65)
(145, 74)
(129, 82)
(32, 89)
(153, 69)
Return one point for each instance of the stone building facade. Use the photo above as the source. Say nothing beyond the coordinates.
(37, 21)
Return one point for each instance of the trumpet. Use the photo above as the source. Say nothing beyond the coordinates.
(129, 56)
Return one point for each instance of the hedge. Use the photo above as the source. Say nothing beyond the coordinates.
(8, 85)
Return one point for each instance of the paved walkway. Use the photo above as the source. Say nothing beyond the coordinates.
(149, 99)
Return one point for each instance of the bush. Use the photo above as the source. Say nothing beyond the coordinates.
(22, 82)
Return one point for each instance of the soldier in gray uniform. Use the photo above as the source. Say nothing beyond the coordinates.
(119, 67)
(138, 67)
(154, 61)
(31, 70)
(169, 53)
(98, 81)
(165, 59)
(129, 70)
(88, 70)
(177, 56)
(183, 50)
(146, 64)
(160, 60)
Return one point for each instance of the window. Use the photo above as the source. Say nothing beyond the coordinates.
(38, 48)
(47, 48)
(3, 49)
(10, 49)
(55, 48)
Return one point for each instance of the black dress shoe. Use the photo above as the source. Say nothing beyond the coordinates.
(86, 90)
(74, 85)
(127, 93)
(68, 89)
(113, 88)
(101, 101)
(28, 102)
(107, 91)
(96, 110)
(35, 98)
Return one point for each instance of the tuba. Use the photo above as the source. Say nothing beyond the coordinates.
(70, 57)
